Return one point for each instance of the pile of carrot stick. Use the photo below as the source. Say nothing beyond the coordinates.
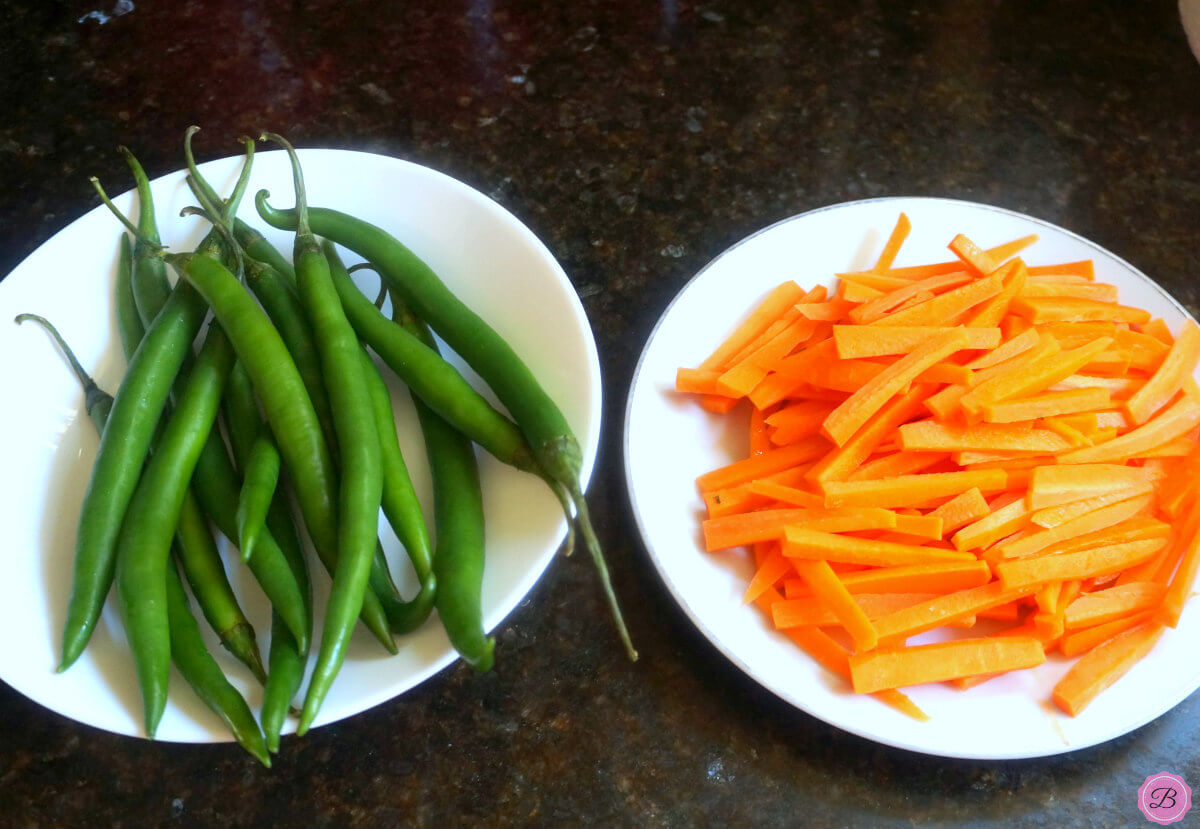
(994, 448)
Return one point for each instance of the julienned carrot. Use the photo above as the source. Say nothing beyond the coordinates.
(1104, 606)
(811, 610)
(859, 341)
(776, 303)
(1178, 365)
(892, 247)
(758, 466)
(1179, 418)
(944, 609)
(803, 543)
(1080, 414)
(961, 510)
(747, 528)
(1075, 642)
(1047, 404)
(942, 661)
(912, 490)
(1097, 561)
(932, 436)
(999, 254)
(1102, 666)
(834, 658)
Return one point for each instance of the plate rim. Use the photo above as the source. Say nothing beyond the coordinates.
(590, 444)
(713, 639)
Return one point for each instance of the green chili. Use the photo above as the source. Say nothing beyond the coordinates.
(258, 490)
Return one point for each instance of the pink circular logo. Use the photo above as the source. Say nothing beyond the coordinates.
(1164, 798)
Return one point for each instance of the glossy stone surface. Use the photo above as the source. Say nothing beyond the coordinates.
(638, 140)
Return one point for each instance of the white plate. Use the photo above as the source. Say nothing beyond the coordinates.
(670, 440)
(47, 443)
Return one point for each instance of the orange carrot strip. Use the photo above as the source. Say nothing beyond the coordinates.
(1047, 404)
(789, 316)
(1077, 642)
(774, 460)
(998, 254)
(942, 661)
(775, 305)
(741, 378)
(849, 417)
(758, 439)
(921, 526)
(947, 402)
(932, 436)
(717, 404)
(1104, 606)
(1098, 519)
(799, 420)
(787, 494)
(897, 463)
(829, 590)
(747, 528)
(1062, 513)
(961, 510)
(1083, 268)
(831, 311)
(696, 381)
(995, 309)
(1066, 309)
(840, 462)
(1157, 329)
(773, 568)
(1118, 387)
(877, 308)
(1174, 448)
(853, 291)
(1066, 431)
(946, 577)
(803, 543)
(912, 490)
(1097, 561)
(944, 609)
(1138, 528)
(858, 341)
(1180, 586)
(810, 610)
(1007, 516)
(1024, 341)
(1179, 418)
(834, 658)
(1097, 291)
(947, 307)
(1034, 377)
(975, 257)
(1050, 486)
(899, 233)
(1179, 364)
(1008, 612)
(1102, 666)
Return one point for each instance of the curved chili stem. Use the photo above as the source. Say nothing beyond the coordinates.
(150, 285)
(92, 394)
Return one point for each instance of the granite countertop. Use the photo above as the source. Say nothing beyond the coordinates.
(638, 140)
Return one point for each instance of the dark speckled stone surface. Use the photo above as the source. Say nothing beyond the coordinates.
(638, 140)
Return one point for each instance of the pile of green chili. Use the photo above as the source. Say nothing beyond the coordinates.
(282, 403)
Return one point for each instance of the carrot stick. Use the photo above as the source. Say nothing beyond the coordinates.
(775, 305)
(945, 609)
(847, 418)
(948, 306)
(834, 658)
(773, 568)
(804, 543)
(1062, 513)
(912, 490)
(1181, 583)
(1104, 606)
(1101, 667)
(899, 233)
(1084, 268)
(998, 254)
(1138, 528)
(1157, 329)
(1032, 378)
(1097, 561)
(829, 590)
(859, 342)
(1019, 344)
(920, 526)
(1179, 364)
(961, 510)
(995, 309)
(879, 307)
(1098, 519)
(774, 460)
(942, 661)
(786, 494)
(799, 420)
(696, 381)
(1053, 485)
(747, 528)
(1097, 291)
(1180, 417)
(947, 402)
(897, 463)
(932, 436)
(1047, 404)
(1077, 642)
(810, 610)
(1066, 309)
(975, 257)
(759, 440)
(741, 377)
